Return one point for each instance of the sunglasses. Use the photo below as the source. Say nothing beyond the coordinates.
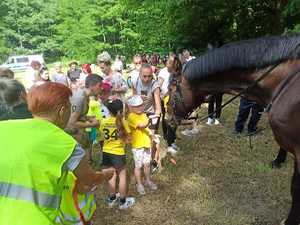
(147, 76)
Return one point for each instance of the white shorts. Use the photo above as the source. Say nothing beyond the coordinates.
(141, 156)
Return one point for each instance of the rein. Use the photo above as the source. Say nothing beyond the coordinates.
(264, 75)
(282, 86)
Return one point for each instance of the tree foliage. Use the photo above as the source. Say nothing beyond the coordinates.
(80, 29)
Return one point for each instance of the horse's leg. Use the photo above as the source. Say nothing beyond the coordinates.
(280, 158)
(294, 215)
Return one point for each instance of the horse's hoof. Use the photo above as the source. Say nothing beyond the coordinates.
(275, 164)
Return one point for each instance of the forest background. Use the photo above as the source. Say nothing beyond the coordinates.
(80, 29)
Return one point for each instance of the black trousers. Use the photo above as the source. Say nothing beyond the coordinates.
(169, 132)
(247, 106)
(215, 103)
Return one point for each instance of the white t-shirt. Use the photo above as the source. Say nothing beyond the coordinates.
(60, 78)
(118, 65)
(134, 75)
(105, 111)
(165, 76)
(83, 76)
(147, 90)
(30, 77)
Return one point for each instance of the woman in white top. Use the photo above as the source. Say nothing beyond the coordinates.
(58, 76)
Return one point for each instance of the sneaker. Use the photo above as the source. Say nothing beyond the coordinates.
(140, 189)
(154, 169)
(171, 150)
(112, 203)
(175, 146)
(186, 132)
(128, 203)
(154, 166)
(152, 186)
(195, 130)
(217, 122)
(210, 121)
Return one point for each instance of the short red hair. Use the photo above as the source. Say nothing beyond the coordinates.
(48, 98)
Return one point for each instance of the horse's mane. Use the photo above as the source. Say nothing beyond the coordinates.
(249, 54)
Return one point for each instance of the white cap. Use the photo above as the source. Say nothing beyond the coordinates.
(135, 100)
(104, 57)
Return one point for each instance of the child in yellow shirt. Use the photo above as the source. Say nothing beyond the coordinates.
(115, 134)
(140, 142)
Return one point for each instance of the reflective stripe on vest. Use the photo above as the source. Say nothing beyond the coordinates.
(66, 219)
(19, 192)
(87, 214)
(76, 220)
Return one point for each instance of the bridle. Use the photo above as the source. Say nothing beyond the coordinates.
(178, 97)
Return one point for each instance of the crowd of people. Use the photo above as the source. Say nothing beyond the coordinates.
(60, 118)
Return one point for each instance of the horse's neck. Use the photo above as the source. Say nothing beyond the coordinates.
(238, 80)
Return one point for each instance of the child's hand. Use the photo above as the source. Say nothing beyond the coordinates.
(94, 122)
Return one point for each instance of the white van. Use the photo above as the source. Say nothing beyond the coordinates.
(22, 62)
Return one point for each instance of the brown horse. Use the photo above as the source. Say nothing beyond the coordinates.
(237, 66)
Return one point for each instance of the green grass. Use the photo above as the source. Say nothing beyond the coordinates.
(218, 180)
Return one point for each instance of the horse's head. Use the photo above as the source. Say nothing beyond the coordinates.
(183, 98)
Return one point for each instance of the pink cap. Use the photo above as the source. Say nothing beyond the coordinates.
(106, 86)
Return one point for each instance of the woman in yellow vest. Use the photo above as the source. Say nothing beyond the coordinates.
(34, 171)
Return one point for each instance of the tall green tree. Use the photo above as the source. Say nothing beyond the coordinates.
(76, 30)
(27, 25)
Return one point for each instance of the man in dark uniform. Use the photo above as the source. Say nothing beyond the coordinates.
(244, 110)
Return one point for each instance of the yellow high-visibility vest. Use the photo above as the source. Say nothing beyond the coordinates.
(31, 179)
(75, 208)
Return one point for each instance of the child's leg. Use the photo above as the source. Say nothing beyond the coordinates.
(137, 174)
(122, 182)
(147, 158)
(125, 202)
(157, 155)
(111, 182)
(146, 162)
(138, 163)
(147, 171)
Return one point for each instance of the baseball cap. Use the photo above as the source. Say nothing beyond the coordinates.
(104, 57)
(135, 100)
(106, 86)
